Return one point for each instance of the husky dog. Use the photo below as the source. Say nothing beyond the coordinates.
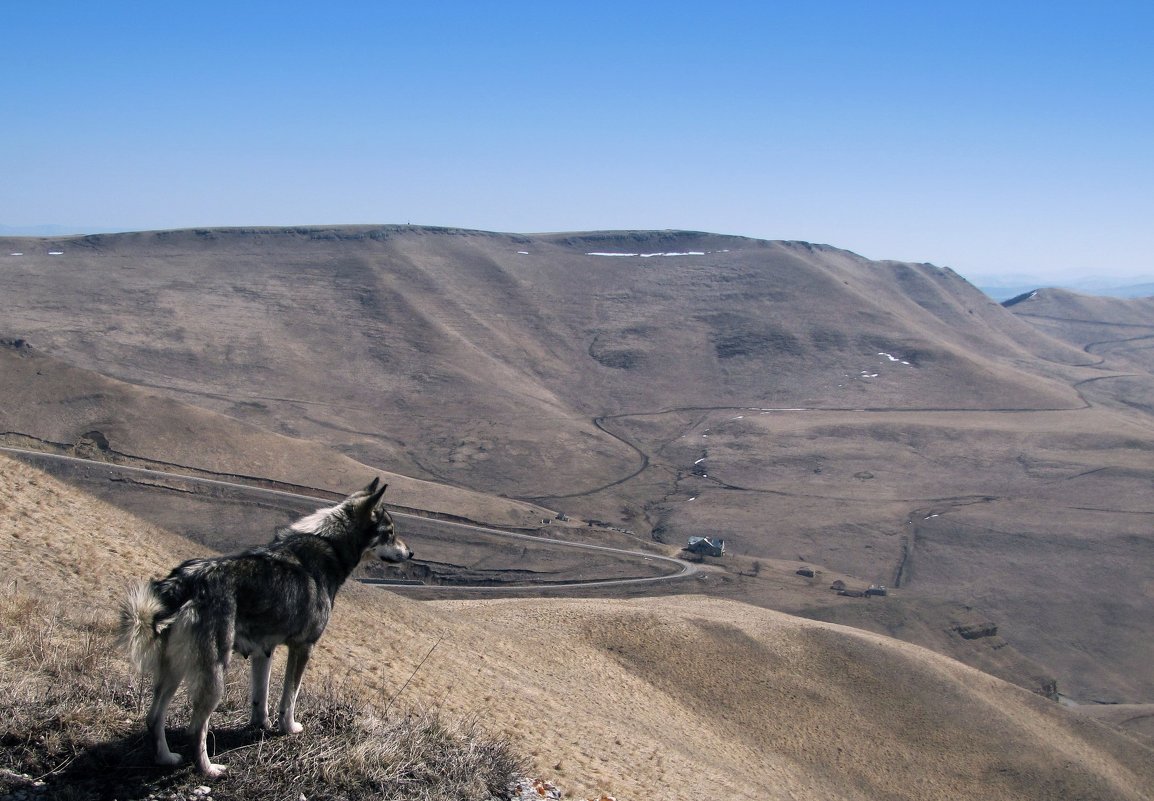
(188, 623)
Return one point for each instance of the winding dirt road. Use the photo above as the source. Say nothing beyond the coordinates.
(682, 567)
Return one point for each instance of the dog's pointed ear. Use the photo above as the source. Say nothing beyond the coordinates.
(367, 504)
(379, 504)
(371, 488)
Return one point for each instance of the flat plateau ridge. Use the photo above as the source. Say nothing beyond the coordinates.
(878, 422)
(677, 698)
(482, 359)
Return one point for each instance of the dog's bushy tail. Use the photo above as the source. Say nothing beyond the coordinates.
(143, 618)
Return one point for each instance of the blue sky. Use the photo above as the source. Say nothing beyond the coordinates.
(989, 137)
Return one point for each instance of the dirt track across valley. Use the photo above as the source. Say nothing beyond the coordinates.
(671, 568)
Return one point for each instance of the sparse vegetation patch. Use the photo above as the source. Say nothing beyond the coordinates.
(71, 728)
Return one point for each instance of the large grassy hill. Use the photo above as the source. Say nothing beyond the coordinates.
(880, 422)
(677, 698)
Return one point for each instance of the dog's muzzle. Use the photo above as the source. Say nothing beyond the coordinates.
(393, 552)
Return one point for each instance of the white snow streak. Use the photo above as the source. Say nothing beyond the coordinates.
(650, 255)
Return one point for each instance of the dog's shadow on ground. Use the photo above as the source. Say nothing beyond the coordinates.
(124, 768)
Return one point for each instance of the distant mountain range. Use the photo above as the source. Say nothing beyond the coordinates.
(1103, 287)
(53, 230)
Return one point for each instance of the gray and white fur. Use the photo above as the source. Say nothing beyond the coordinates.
(187, 624)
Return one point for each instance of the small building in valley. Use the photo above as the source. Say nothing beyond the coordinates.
(706, 546)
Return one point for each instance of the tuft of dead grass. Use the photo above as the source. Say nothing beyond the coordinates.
(71, 716)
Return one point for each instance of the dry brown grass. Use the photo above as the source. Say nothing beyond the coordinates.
(71, 721)
(671, 698)
(59, 686)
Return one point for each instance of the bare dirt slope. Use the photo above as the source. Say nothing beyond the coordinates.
(482, 358)
(681, 698)
(49, 405)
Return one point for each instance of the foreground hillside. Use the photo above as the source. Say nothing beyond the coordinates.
(682, 698)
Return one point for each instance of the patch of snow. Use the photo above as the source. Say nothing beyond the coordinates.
(739, 417)
(56, 253)
(522, 253)
(15, 254)
(649, 255)
(699, 461)
(893, 358)
(694, 498)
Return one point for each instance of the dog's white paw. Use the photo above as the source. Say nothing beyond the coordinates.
(213, 771)
(265, 724)
(168, 758)
(292, 727)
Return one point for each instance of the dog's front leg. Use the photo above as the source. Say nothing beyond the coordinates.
(298, 658)
(261, 667)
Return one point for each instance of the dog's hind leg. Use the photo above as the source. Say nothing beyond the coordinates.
(207, 690)
(165, 684)
(210, 660)
(298, 659)
(261, 667)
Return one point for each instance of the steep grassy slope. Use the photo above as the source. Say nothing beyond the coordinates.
(674, 698)
(1114, 332)
(1102, 326)
(46, 404)
(482, 358)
